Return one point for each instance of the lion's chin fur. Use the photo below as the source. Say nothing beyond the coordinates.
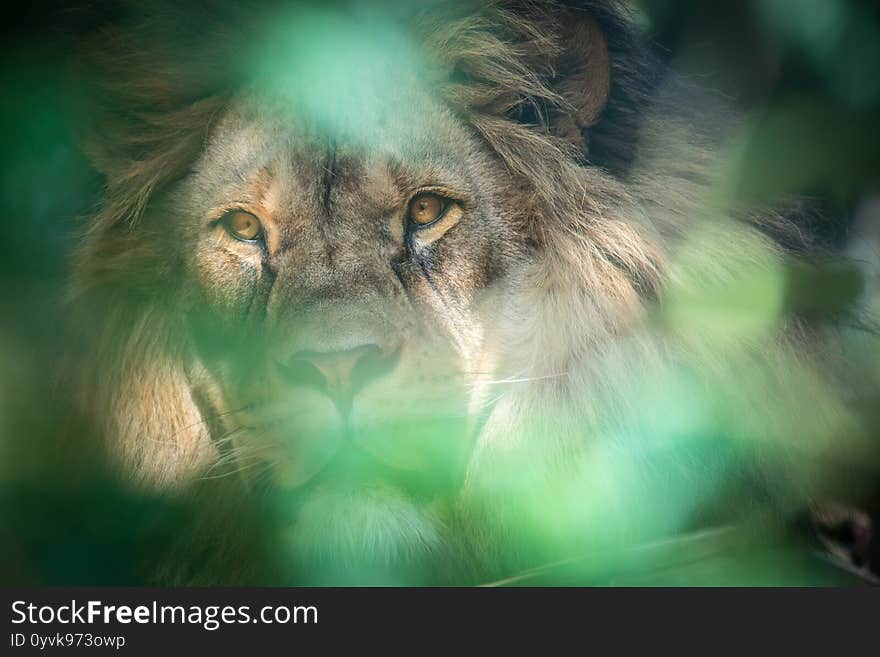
(364, 534)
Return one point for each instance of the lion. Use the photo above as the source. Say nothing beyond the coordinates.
(430, 279)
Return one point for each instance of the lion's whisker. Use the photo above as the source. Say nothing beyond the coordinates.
(525, 379)
(170, 439)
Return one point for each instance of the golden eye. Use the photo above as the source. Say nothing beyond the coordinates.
(426, 208)
(243, 225)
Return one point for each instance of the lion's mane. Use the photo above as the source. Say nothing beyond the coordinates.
(616, 211)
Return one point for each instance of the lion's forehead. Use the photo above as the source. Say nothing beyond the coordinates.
(260, 152)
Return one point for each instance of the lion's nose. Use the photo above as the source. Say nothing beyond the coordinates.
(339, 374)
(337, 367)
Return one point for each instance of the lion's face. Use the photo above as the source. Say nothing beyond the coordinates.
(339, 291)
(344, 244)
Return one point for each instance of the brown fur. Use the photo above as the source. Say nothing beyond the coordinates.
(584, 188)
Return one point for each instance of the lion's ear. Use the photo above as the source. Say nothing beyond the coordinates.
(143, 93)
(536, 63)
(109, 98)
(582, 74)
(128, 99)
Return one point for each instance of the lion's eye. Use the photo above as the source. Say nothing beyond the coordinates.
(243, 225)
(426, 208)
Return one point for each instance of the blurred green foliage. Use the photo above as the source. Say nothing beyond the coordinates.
(806, 75)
